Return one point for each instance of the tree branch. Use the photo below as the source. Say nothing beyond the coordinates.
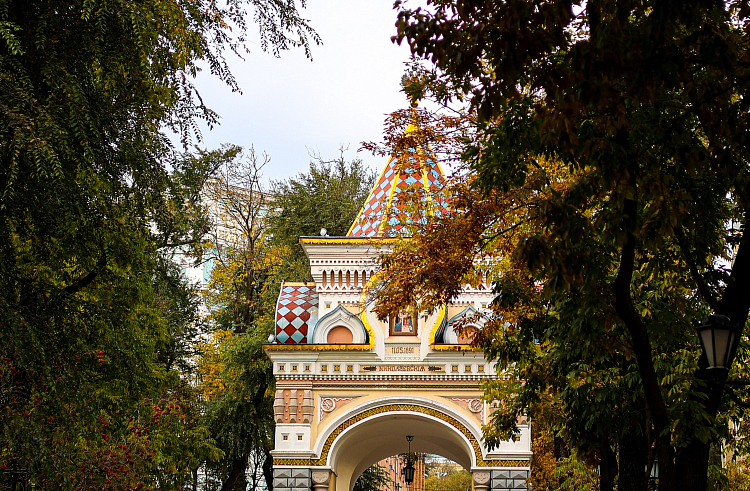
(735, 302)
(736, 399)
(642, 347)
(697, 277)
(86, 280)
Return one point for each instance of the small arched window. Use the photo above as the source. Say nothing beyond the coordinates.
(339, 335)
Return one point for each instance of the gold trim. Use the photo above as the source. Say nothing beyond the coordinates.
(443, 313)
(348, 240)
(480, 462)
(452, 347)
(317, 347)
(363, 302)
(297, 283)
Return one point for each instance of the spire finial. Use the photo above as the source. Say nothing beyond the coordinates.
(414, 120)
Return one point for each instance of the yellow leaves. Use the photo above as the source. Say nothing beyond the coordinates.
(210, 365)
(543, 464)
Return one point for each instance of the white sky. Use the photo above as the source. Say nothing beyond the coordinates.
(291, 106)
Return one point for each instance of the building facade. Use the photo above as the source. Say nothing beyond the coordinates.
(351, 387)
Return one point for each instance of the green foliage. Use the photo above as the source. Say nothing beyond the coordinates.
(95, 323)
(328, 196)
(237, 377)
(735, 476)
(576, 475)
(374, 478)
(459, 480)
(644, 105)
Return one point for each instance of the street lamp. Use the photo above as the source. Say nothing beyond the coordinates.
(408, 470)
(719, 339)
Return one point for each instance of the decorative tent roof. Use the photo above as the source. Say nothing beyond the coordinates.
(296, 312)
(384, 214)
(385, 211)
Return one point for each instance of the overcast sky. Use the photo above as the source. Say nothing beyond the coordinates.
(291, 106)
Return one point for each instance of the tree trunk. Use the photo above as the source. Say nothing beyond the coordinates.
(642, 349)
(692, 462)
(633, 459)
(561, 449)
(239, 465)
(268, 469)
(607, 466)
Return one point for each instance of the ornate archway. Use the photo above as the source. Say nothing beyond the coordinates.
(341, 406)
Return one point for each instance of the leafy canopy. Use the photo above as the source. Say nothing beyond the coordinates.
(94, 321)
(643, 104)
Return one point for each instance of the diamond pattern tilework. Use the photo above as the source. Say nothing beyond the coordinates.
(384, 213)
(296, 312)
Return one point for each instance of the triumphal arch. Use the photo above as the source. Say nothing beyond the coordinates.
(350, 388)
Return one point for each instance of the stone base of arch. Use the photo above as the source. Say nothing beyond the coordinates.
(500, 479)
(317, 479)
(292, 478)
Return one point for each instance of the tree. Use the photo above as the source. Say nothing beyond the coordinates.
(644, 103)
(92, 198)
(447, 476)
(374, 478)
(253, 243)
(328, 196)
(239, 387)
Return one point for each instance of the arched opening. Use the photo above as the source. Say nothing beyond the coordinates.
(384, 435)
(466, 335)
(340, 335)
(432, 472)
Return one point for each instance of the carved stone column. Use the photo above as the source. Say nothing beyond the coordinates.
(321, 479)
(481, 480)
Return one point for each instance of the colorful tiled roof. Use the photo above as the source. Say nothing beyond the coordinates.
(296, 312)
(385, 211)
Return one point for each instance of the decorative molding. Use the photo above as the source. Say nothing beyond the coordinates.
(339, 316)
(514, 463)
(477, 321)
(441, 317)
(349, 240)
(293, 406)
(320, 347)
(329, 404)
(480, 462)
(481, 477)
(473, 404)
(345, 377)
(321, 477)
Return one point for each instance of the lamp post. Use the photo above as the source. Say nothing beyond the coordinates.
(719, 339)
(408, 470)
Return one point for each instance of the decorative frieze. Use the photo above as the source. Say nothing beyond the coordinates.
(328, 404)
(293, 406)
(473, 404)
